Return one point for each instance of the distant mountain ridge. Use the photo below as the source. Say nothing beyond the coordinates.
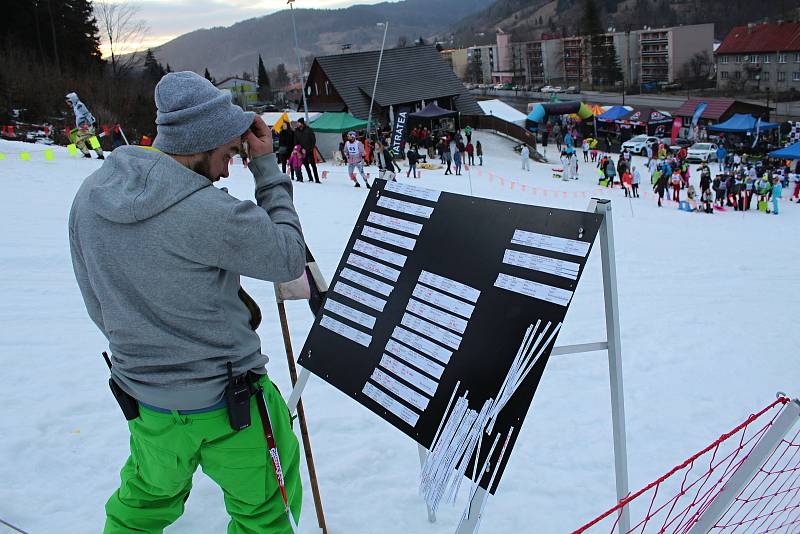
(234, 49)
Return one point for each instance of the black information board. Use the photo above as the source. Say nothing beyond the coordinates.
(436, 289)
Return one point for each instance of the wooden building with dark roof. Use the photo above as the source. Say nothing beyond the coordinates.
(412, 76)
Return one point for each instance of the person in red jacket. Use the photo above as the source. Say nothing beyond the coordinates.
(470, 154)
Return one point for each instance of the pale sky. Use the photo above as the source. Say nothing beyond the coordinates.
(168, 19)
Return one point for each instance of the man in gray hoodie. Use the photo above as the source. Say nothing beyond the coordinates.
(157, 252)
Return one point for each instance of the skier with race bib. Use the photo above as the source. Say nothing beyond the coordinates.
(85, 126)
(354, 152)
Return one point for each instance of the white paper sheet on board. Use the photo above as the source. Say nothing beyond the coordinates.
(388, 237)
(430, 330)
(412, 376)
(442, 318)
(401, 225)
(550, 242)
(543, 264)
(347, 312)
(380, 253)
(373, 267)
(423, 345)
(359, 296)
(407, 394)
(533, 289)
(414, 358)
(405, 207)
(345, 331)
(413, 191)
(367, 281)
(394, 406)
(449, 286)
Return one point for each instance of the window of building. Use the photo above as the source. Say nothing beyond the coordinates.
(797, 57)
(738, 58)
(796, 76)
(724, 75)
(766, 58)
(781, 76)
(724, 60)
(765, 76)
(754, 58)
(781, 58)
(737, 75)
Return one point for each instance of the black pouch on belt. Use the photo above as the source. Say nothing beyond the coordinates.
(237, 399)
(129, 405)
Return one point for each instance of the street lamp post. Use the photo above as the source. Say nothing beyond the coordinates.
(377, 73)
(299, 63)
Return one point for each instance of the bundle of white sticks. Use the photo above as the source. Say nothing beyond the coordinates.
(460, 433)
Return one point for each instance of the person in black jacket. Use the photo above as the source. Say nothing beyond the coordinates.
(304, 136)
(285, 144)
(412, 157)
(385, 161)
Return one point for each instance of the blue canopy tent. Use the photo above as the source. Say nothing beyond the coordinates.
(614, 113)
(741, 123)
(787, 152)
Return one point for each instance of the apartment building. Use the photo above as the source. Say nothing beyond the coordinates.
(664, 51)
(760, 56)
(457, 58)
(481, 61)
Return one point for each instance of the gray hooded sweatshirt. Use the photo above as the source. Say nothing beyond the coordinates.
(157, 252)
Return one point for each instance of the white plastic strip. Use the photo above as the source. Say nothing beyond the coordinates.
(533, 289)
(373, 267)
(443, 301)
(415, 378)
(439, 317)
(415, 399)
(346, 331)
(413, 191)
(567, 269)
(551, 242)
(450, 286)
(380, 253)
(405, 207)
(431, 330)
(399, 409)
(388, 237)
(366, 281)
(394, 223)
(423, 345)
(419, 361)
(359, 296)
(349, 313)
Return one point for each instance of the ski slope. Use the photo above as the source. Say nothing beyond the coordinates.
(707, 307)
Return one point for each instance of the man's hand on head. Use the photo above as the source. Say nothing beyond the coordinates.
(259, 138)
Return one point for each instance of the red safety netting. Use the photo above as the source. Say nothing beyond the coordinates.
(770, 502)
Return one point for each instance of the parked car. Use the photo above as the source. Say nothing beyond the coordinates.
(498, 86)
(679, 144)
(702, 152)
(557, 89)
(639, 143)
(573, 90)
(546, 89)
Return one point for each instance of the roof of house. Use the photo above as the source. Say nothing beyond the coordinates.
(767, 37)
(407, 74)
(236, 80)
(715, 107)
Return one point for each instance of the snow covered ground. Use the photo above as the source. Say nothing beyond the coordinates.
(707, 306)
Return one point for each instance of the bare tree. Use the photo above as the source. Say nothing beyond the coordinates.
(121, 32)
(402, 41)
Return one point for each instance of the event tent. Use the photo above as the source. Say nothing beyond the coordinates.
(271, 117)
(646, 115)
(787, 152)
(337, 122)
(741, 123)
(615, 113)
(432, 111)
(503, 111)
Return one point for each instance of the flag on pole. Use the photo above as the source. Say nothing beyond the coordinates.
(758, 131)
(698, 111)
(279, 123)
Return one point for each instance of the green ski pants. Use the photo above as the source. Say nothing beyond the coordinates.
(167, 448)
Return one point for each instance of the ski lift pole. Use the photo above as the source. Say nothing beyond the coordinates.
(299, 63)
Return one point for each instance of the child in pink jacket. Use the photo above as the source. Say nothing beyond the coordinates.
(296, 162)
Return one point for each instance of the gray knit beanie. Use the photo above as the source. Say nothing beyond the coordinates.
(194, 116)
